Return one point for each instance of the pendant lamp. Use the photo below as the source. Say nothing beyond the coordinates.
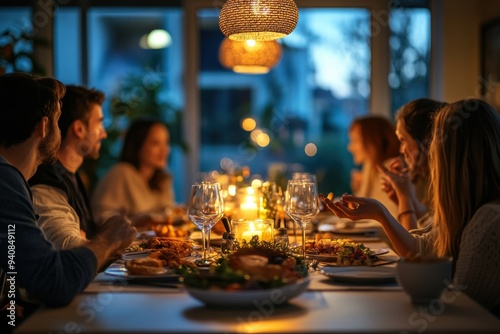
(260, 20)
(250, 57)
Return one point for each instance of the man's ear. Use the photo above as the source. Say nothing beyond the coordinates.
(78, 129)
(42, 128)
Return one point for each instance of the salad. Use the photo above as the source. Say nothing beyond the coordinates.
(253, 266)
(346, 251)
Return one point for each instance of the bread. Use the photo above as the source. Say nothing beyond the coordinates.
(145, 266)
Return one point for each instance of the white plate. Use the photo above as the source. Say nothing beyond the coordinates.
(122, 272)
(361, 274)
(134, 255)
(249, 298)
(333, 258)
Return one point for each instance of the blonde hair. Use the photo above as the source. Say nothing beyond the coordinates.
(464, 166)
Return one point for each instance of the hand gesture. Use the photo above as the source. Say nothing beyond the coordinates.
(356, 208)
(396, 181)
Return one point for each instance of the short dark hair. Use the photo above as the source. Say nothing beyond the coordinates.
(418, 116)
(24, 100)
(76, 105)
(135, 137)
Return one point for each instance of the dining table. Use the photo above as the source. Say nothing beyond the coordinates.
(112, 304)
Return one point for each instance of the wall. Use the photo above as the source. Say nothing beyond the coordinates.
(456, 46)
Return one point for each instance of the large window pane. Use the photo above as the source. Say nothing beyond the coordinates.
(410, 55)
(139, 80)
(303, 106)
(67, 42)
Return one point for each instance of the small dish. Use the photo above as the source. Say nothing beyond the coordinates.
(361, 274)
(249, 298)
(121, 271)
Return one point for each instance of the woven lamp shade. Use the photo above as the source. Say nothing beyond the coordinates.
(260, 20)
(251, 57)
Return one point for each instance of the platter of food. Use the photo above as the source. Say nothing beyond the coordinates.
(343, 252)
(154, 257)
(361, 274)
(335, 258)
(249, 275)
(145, 268)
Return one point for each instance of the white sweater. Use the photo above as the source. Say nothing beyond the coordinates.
(478, 264)
(124, 189)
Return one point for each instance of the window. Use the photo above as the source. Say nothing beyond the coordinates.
(303, 106)
(410, 55)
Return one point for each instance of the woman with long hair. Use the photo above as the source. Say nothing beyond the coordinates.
(138, 185)
(406, 180)
(372, 142)
(464, 164)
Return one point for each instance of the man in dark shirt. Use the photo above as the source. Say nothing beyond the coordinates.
(59, 195)
(29, 110)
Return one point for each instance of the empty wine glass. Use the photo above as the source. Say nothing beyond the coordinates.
(301, 205)
(304, 176)
(205, 208)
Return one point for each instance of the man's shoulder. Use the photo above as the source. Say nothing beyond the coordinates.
(10, 173)
(49, 174)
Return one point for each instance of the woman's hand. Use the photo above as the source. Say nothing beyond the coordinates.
(356, 208)
(396, 182)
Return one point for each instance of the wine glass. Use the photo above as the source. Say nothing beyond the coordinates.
(205, 208)
(305, 177)
(301, 204)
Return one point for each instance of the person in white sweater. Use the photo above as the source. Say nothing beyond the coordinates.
(464, 166)
(138, 185)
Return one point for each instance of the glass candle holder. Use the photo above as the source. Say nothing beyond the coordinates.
(245, 229)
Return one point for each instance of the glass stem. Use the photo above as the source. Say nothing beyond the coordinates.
(204, 248)
(208, 241)
(304, 241)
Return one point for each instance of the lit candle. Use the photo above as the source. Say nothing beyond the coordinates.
(248, 235)
(248, 210)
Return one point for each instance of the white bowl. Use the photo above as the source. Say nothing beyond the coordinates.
(424, 280)
(249, 298)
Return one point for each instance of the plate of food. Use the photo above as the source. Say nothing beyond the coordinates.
(343, 252)
(361, 274)
(249, 275)
(145, 268)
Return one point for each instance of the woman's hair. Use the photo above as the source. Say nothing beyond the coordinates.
(418, 116)
(134, 140)
(378, 138)
(465, 168)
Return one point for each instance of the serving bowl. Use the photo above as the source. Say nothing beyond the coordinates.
(249, 298)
